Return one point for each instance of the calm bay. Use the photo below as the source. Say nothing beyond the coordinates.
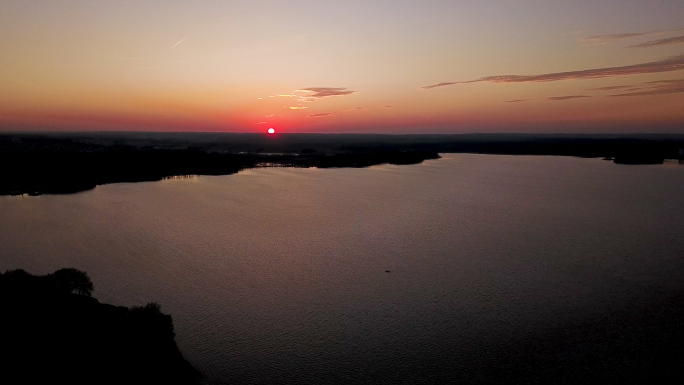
(470, 268)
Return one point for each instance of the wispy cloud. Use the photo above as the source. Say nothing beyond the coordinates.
(675, 63)
(344, 111)
(316, 93)
(566, 97)
(609, 88)
(604, 39)
(551, 98)
(321, 114)
(442, 84)
(313, 94)
(659, 42)
(659, 87)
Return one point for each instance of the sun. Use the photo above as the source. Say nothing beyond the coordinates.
(271, 130)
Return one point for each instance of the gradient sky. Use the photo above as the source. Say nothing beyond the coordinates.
(382, 66)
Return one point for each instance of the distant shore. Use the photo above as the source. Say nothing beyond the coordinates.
(63, 163)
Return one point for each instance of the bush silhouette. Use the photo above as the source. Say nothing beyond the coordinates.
(71, 280)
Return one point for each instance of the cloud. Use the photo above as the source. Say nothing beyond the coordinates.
(321, 114)
(298, 108)
(344, 111)
(670, 81)
(566, 97)
(674, 63)
(518, 100)
(658, 87)
(315, 93)
(442, 84)
(609, 88)
(604, 39)
(659, 42)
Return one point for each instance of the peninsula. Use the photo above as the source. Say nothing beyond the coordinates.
(55, 332)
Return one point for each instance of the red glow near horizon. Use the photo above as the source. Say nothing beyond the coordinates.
(271, 130)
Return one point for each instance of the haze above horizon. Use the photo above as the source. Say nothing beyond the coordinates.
(343, 67)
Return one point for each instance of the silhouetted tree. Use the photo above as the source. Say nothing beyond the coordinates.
(19, 282)
(71, 280)
(17, 275)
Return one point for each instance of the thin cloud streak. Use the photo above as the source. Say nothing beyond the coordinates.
(659, 87)
(344, 111)
(609, 88)
(659, 42)
(604, 39)
(321, 114)
(566, 97)
(442, 84)
(675, 63)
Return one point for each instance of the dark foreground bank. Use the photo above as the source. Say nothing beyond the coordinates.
(54, 332)
(64, 163)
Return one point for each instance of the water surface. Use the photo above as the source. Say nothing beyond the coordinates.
(470, 268)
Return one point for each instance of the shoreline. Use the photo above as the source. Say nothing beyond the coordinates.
(59, 173)
(66, 163)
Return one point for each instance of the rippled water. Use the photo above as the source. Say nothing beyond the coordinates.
(469, 268)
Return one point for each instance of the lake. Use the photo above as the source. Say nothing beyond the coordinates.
(469, 268)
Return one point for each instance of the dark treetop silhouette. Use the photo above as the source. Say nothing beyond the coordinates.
(53, 331)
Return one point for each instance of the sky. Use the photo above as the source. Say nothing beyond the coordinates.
(371, 66)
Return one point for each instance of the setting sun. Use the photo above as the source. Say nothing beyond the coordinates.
(271, 130)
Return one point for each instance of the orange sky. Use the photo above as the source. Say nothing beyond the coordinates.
(333, 66)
